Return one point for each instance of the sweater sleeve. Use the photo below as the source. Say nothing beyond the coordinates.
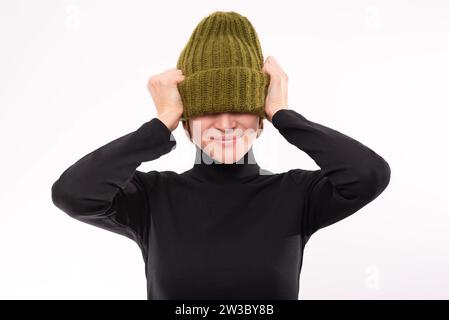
(350, 176)
(105, 189)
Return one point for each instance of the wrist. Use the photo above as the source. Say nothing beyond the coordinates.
(271, 114)
(170, 119)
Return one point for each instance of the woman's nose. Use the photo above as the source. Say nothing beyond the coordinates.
(225, 121)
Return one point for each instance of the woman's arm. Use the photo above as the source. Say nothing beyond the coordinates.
(104, 189)
(350, 176)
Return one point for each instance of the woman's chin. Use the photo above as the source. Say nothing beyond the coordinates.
(228, 153)
(227, 156)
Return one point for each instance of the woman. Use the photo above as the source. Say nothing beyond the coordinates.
(226, 228)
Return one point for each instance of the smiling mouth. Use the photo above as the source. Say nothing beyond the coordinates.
(226, 140)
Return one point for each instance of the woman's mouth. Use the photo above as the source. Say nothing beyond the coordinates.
(225, 141)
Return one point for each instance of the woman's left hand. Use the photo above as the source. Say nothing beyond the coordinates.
(277, 96)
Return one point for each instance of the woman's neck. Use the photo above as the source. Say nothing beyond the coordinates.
(207, 168)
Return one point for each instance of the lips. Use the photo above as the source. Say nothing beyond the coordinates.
(226, 141)
(226, 138)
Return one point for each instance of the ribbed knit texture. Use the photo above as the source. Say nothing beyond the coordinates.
(222, 64)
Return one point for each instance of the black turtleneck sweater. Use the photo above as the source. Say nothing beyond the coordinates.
(221, 231)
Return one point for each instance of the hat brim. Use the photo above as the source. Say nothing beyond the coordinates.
(230, 89)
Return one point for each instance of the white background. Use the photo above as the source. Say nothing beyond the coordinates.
(73, 77)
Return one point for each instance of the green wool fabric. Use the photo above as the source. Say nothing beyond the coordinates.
(222, 64)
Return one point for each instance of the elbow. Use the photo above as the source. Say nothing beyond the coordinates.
(64, 199)
(375, 179)
(61, 197)
(56, 194)
(384, 175)
(76, 205)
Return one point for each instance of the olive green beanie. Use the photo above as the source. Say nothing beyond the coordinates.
(222, 64)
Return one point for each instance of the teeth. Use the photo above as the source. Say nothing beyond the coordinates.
(226, 139)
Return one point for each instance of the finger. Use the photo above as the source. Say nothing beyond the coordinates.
(281, 71)
(180, 78)
(267, 67)
(271, 69)
(276, 70)
(266, 70)
(170, 72)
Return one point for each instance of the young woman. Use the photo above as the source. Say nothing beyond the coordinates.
(226, 228)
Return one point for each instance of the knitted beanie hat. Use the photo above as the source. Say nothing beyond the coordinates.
(222, 64)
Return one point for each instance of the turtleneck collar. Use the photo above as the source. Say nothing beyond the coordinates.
(209, 169)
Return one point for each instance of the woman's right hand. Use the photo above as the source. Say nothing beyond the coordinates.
(164, 91)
